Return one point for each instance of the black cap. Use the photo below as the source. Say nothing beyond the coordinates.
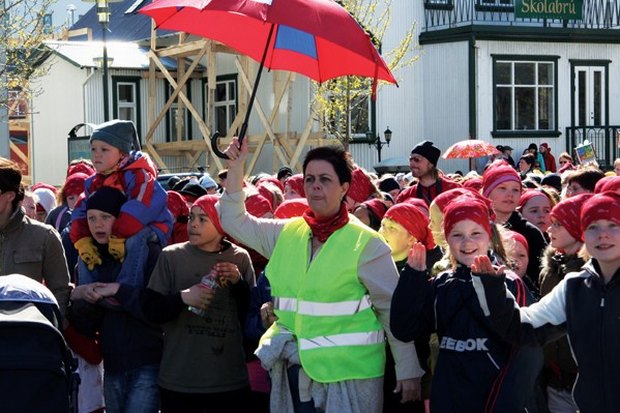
(106, 199)
(427, 150)
(285, 171)
(193, 189)
(507, 148)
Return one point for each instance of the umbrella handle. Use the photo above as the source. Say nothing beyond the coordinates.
(216, 136)
(214, 147)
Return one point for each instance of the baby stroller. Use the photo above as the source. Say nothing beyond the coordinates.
(37, 369)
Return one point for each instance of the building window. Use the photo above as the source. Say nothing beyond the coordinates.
(171, 118)
(126, 97)
(225, 104)
(18, 107)
(525, 95)
(496, 2)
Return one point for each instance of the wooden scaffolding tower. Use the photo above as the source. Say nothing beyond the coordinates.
(288, 147)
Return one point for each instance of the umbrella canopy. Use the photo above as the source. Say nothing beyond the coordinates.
(470, 148)
(317, 38)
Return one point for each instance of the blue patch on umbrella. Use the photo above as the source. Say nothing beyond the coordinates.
(296, 41)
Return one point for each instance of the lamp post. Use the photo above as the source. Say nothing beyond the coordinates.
(377, 142)
(103, 16)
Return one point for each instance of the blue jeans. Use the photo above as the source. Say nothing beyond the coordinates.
(133, 391)
(134, 264)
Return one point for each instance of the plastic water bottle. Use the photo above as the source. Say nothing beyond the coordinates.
(208, 281)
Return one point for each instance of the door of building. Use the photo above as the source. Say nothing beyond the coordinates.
(590, 108)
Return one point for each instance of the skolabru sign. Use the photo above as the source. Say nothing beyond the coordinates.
(549, 9)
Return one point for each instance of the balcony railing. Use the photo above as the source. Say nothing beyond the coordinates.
(448, 14)
(604, 139)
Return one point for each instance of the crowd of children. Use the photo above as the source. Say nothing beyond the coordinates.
(329, 290)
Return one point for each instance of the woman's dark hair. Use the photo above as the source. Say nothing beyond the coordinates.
(336, 156)
(529, 158)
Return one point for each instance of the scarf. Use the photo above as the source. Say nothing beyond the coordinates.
(322, 228)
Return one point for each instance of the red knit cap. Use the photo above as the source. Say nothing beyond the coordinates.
(608, 183)
(568, 213)
(296, 182)
(272, 180)
(176, 204)
(82, 167)
(377, 207)
(418, 203)
(257, 205)
(74, 185)
(207, 204)
(497, 174)
(267, 193)
(515, 236)
(291, 208)
(44, 185)
(474, 184)
(414, 221)
(445, 198)
(526, 196)
(463, 208)
(361, 187)
(601, 206)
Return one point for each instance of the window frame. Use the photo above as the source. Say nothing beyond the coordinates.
(169, 114)
(513, 59)
(227, 78)
(135, 81)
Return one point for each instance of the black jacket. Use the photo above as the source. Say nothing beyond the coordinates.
(586, 309)
(473, 360)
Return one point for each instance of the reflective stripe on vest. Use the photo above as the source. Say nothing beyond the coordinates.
(322, 309)
(347, 339)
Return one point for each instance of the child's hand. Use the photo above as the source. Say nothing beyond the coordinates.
(482, 265)
(107, 290)
(87, 292)
(416, 258)
(88, 252)
(198, 296)
(116, 247)
(227, 273)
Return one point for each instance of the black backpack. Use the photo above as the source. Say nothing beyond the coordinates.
(37, 369)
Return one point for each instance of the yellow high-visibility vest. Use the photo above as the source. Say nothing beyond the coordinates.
(325, 305)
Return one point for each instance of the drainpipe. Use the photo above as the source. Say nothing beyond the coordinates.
(473, 121)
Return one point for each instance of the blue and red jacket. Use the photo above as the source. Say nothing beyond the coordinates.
(146, 200)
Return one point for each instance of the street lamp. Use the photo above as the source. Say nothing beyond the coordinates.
(103, 16)
(376, 140)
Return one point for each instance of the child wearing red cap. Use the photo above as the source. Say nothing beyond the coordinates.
(203, 362)
(473, 364)
(585, 305)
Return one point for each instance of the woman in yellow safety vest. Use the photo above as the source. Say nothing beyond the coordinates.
(332, 280)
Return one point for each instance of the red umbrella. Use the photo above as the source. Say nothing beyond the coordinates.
(470, 148)
(317, 38)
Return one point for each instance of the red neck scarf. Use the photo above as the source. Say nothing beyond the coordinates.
(322, 228)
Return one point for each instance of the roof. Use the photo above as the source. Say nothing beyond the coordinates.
(121, 55)
(122, 26)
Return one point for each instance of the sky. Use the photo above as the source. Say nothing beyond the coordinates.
(61, 15)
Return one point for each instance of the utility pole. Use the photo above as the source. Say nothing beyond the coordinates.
(4, 87)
